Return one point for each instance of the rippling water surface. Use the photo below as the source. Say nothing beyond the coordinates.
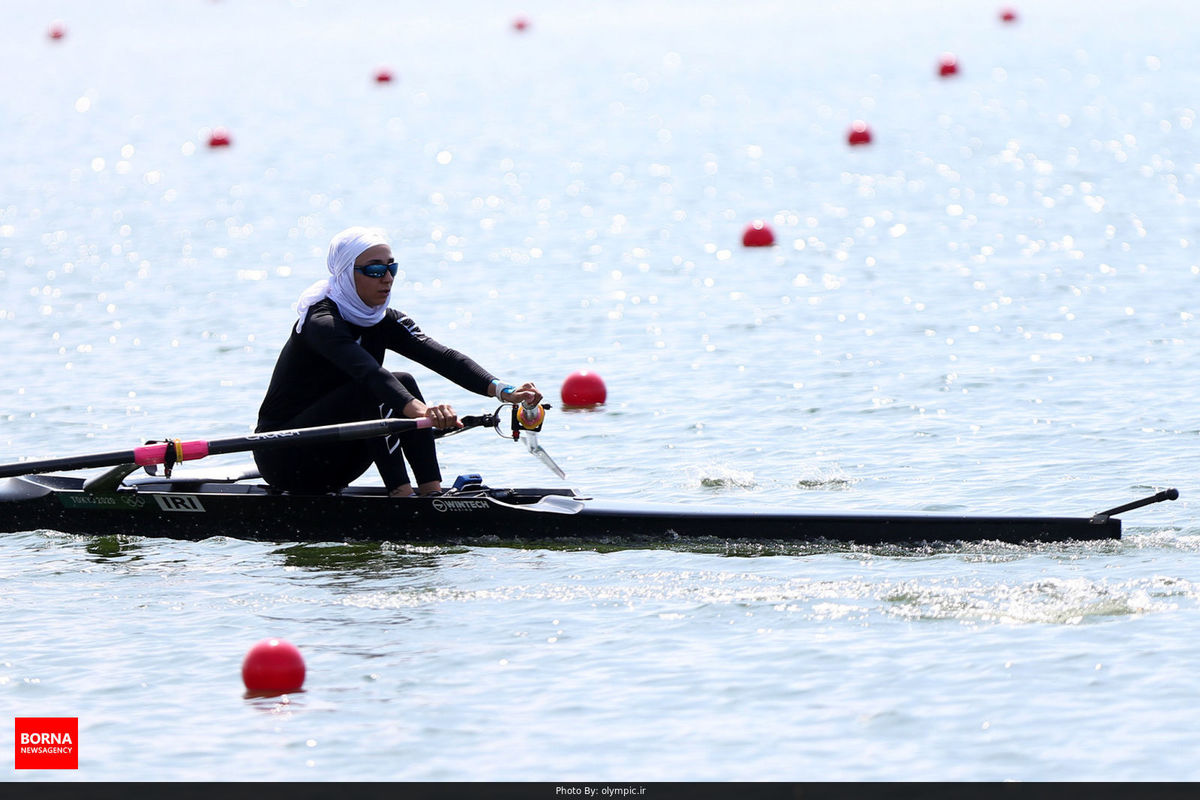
(989, 309)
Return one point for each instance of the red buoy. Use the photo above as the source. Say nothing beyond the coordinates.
(520, 24)
(1008, 15)
(219, 138)
(582, 389)
(859, 133)
(758, 234)
(273, 665)
(383, 75)
(948, 65)
(57, 30)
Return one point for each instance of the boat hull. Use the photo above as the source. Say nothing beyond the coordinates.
(196, 510)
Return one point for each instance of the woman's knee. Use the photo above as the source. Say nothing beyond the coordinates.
(410, 383)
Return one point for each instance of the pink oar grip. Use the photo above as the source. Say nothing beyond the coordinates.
(424, 422)
(157, 453)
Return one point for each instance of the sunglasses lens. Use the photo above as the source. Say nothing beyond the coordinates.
(377, 270)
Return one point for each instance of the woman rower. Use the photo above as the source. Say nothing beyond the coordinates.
(331, 371)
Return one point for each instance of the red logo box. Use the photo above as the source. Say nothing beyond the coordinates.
(47, 742)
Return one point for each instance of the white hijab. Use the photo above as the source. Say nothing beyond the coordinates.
(343, 250)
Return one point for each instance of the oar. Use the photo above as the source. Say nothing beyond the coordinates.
(161, 452)
(526, 422)
(529, 439)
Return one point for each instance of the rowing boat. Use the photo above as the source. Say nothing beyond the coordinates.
(193, 509)
(241, 506)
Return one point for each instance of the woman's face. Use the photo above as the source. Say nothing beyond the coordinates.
(373, 291)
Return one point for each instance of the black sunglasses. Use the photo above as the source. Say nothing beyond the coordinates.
(377, 270)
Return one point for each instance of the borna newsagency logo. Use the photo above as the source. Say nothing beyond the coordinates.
(46, 742)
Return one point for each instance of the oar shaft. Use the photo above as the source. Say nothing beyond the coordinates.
(187, 451)
(323, 434)
(68, 463)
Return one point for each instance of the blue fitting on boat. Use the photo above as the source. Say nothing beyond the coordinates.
(463, 481)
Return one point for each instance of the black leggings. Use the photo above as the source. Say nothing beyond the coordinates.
(331, 467)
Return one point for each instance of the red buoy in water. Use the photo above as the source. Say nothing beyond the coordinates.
(948, 66)
(1008, 15)
(859, 133)
(383, 75)
(57, 30)
(758, 234)
(219, 138)
(273, 665)
(583, 388)
(520, 24)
